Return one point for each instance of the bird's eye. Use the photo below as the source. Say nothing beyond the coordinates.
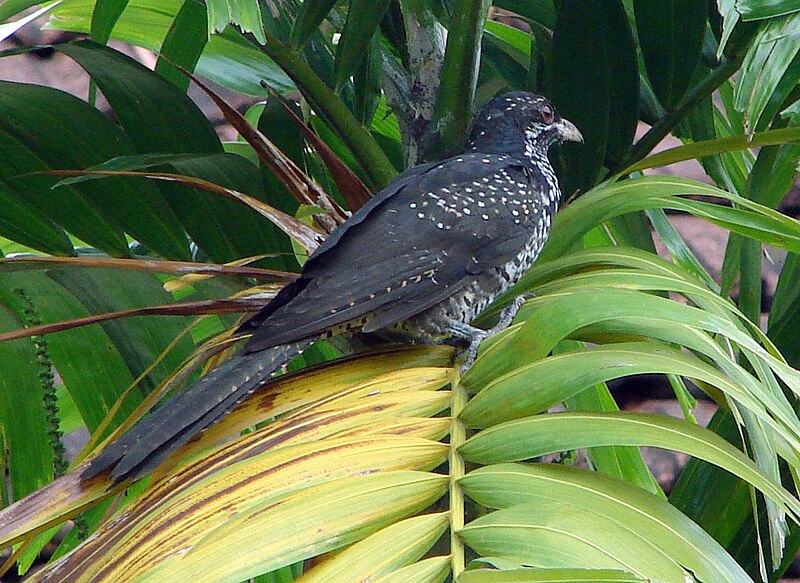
(547, 114)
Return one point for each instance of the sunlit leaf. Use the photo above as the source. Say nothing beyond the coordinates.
(382, 553)
(777, 44)
(711, 147)
(531, 575)
(758, 9)
(345, 510)
(228, 58)
(350, 382)
(609, 524)
(244, 13)
(9, 28)
(535, 436)
(602, 203)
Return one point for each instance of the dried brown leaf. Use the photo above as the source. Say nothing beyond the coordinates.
(33, 262)
(350, 185)
(308, 237)
(224, 306)
(304, 188)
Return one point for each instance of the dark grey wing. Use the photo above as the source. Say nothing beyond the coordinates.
(291, 290)
(430, 236)
(427, 295)
(400, 181)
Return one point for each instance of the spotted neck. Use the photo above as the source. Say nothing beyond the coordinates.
(536, 159)
(528, 149)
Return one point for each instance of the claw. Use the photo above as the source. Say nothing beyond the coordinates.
(476, 335)
(472, 349)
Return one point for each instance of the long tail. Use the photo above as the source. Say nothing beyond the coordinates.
(149, 442)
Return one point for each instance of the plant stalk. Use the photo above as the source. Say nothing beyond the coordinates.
(416, 93)
(453, 112)
(376, 165)
(458, 435)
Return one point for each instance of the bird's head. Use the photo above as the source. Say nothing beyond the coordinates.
(520, 123)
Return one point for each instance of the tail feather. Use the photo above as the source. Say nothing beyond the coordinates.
(154, 438)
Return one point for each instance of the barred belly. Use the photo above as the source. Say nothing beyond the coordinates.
(435, 323)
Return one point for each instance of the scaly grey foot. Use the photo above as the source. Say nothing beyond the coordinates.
(475, 335)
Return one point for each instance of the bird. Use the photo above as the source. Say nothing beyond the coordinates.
(419, 262)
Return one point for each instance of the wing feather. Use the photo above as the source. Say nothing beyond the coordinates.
(416, 243)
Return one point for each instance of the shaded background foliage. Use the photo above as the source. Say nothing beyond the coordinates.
(383, 87)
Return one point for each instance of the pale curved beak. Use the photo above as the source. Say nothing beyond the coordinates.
(568, 132)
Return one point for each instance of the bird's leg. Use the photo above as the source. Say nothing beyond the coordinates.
(472, 335)
(475, 335)
(508, 314)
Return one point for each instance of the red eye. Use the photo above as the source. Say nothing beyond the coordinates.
(547, 114)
